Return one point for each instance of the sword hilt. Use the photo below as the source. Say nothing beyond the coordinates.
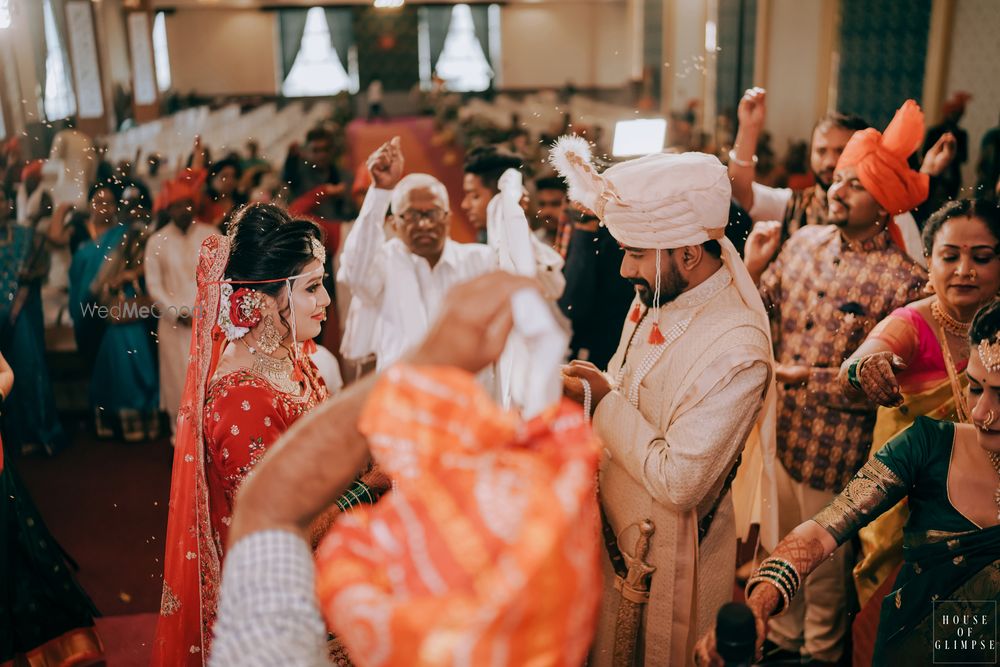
(638, 569)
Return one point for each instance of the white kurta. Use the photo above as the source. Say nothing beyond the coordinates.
(401, 288)
(672, 429)
(74, 163)
(171, 267)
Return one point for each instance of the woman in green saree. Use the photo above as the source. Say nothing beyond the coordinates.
(950, 475)
(912, 365)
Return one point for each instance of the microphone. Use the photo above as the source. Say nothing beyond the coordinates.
(735, 634)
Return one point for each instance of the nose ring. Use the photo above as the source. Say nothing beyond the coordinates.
(990, 418)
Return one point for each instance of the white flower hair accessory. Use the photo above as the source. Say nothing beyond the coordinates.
(246, 306)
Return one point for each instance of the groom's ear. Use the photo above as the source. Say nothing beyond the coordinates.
(689, 256)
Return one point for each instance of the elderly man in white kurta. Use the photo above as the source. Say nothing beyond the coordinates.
(403, 280)
(682, 394)
(171, 263)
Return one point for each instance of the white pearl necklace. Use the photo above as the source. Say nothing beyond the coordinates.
(672, 334)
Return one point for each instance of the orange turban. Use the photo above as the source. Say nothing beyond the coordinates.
(881, 160)
(32, 170)
(362, 180)
(186, 186)
(487, 550)
(956, 102)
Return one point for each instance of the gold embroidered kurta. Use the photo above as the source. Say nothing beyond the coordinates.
(672, 432)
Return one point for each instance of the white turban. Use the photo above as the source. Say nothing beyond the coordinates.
(655, 202)
(665, 201)
(658, 202)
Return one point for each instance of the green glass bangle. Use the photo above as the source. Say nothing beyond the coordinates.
(786, 566)
(852, 374)
(772, 572)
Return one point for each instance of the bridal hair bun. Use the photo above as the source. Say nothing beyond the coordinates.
(269, 245)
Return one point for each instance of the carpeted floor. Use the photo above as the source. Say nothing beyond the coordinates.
(106, 503)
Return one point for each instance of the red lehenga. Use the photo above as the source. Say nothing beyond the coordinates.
(224, 427)
(244, 415)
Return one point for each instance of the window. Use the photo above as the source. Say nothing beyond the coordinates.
(463, 64)
(161, 56)
(59, 100)
(4, 14)
(317, 69)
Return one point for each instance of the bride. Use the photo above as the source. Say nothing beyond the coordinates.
(260, 303)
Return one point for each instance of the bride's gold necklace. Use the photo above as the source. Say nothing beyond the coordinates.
(276, 371)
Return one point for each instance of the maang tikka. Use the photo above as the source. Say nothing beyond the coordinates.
(989, 353)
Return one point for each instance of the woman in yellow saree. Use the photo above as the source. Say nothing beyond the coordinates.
(912, 364)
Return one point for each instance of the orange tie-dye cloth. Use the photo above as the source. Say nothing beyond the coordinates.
(487, 550)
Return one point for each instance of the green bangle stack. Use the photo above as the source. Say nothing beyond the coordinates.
(782, 575)
(852, 374)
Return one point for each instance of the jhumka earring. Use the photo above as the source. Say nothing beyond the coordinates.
(268, 338)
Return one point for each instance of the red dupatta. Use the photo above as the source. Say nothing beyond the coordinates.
(192, 562)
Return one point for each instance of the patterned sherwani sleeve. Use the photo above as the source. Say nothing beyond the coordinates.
(680, 466)
(362, 262)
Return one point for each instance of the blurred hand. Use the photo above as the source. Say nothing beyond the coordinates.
(475, 320)
(377, 480)
(386, 165)
(791, 374)
(705, 654)
(761, 246)
(940, 155)
(752, 110)
(573, 376)
(877, 375)
(762, 603)
(334, 189)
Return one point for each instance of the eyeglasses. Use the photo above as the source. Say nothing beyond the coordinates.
(434, 216)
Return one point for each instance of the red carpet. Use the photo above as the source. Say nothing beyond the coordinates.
(106, 504)
(416, 135)
(127, 639)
